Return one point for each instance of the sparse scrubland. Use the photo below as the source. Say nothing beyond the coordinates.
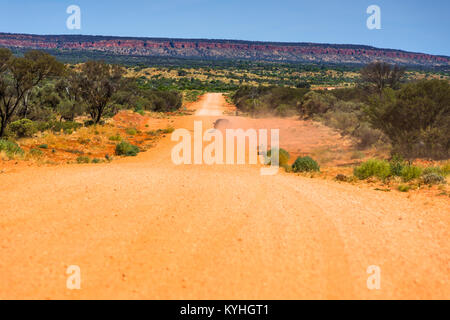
(384, 115)
(222, 76)
(91, 112)
(53, 113)
(412, 117)
(394, 174)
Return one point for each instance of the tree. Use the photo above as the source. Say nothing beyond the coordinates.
(303, 84)
(315, 102)
(382, 75)
(416, 118)
(40, 103)
(5, 56)
(18, 76)
(99, 82)
(70, 92)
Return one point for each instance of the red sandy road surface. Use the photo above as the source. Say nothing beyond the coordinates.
(145, 228)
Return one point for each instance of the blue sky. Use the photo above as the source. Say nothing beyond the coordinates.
(412, 25)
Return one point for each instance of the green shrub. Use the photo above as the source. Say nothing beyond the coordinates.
(22, 128)
(10, 148)
(131, 131)
(96, 160)
(126, 149)
(36, 153)
(43, 146)
(283, 158)
(397, 164)
(373, 168)
(433, 178)
(410, 173)
(117, 137)
(403, 188)
(83, 159)
(305, 164)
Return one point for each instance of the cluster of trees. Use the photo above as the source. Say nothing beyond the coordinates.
(413, 116)
(188, 84)
(281, 101)
(18, 76)
(416, 118)
(381, 75)
(229, 75)
(383, 108)
(39, 88)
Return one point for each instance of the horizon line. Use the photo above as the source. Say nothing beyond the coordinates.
(229, 40)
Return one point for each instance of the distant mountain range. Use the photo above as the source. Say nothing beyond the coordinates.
(221, 50)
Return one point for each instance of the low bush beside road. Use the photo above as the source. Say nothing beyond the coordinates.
(305, 164)
(127, 149)
(10, 148)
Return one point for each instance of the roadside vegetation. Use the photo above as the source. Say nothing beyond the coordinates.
(407, 123)
(95, 111)
(411, 119)
(55, 112)
(223, 76)
(394, 174)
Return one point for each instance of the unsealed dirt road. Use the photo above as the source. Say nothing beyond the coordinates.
(145, 228)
